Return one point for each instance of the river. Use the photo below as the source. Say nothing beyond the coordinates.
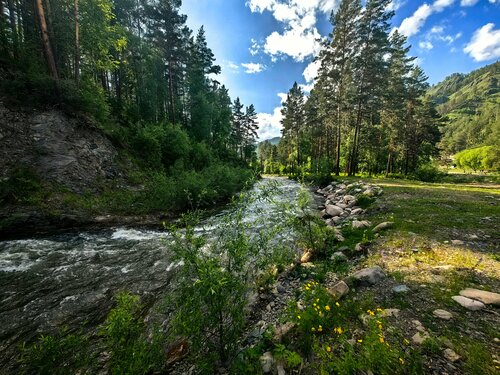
(70, 279)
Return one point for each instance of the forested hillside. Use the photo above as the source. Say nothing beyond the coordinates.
(471, 103)
(148, 82)
(367, 111)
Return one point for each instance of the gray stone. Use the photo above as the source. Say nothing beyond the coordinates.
(442, 314)
(419, 337)
(457, 242)
(369, 192)
(357, 211)
(400, 289)
(488, 298)
(349, 198)
(468, 303)
(280, 288)
(334, 210)
(450, 355)
(266, 361)
(390, 312)
(282, 331)
(339, 290)
(383, 226)
(360, 224)
(369, 275)
(358, 247)
(341, 205)
(339, 256)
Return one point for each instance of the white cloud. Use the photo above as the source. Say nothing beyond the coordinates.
(394, 5)
(437, 30)
(495, 1)
(269, 124)
(283, 96)
(468, 3)
(307, 88)
(425, 45)
(255, 48)
(230, 65)
(311, 71)
(299, 37)
(252, 68)
(485, 43)
(412, 25)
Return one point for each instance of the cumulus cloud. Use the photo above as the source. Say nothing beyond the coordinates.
(394, 5)
(468, 3)
(412, 25)
(283, 96)
(485, 43)
(252, 68)
(269, 124)
(299, 37)
(311, 71)
(425, 45)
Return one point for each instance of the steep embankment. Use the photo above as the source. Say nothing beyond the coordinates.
(46, 156)
(471, 103)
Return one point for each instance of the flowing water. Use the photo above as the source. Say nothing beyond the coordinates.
(70, 279)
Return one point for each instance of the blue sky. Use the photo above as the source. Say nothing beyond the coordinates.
(264, 46)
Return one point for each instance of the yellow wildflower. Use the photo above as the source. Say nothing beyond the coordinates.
(402, 361)
(298, 317)
(338, 330)
(337, 304)
(328, 349)
(360, 340)
(381, 339)
(320, 329)
(313, 329)
(380, 326)
(370, 312)
(379, 309)
(327, 308)
(406, 342)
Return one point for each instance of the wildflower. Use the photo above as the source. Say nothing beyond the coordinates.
(360, 340)
(314, 304)
(380, 326)
(298, 317)
(320, 328)
(337, 304)
(406, 342)
(338, 330)
(370, 312)
(313, 329)
(381, 339)
(379, 309)
(328, 349)
(327, 308)
(402, 361)
(317, 299)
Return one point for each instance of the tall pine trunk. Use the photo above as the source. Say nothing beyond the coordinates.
(13, 28)
(46, 41)
(77, 45)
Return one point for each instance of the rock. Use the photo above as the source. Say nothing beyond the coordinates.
(336, 220)
(349, 198)
(358, 247)
(266, 361)
(468, 303)
(457, 242)
(450, 355)
(280, 288)
(390, 312)
(339, 290)
(383, 226)
(341, 205)
(338, 235)
(488, 298)
(339, 257)
(357, 211)
(442, 314)
(176, 352)
(369, 275)
(280, 369)
(369, 192)
(400, 289)
(283, 330)
(334, 210)
(419, 337)
(306, 257)
(360, 224)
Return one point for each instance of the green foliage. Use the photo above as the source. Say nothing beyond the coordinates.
(486, 158)
(428, 173)
(130, 352)
(22, 186)
(290, 358)
(63, 353)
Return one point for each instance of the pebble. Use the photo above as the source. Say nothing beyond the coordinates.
(457, 242)
(339, 290)
(419, 337)
(369, 275)
(450, 355)
(442, 314)
(400, 289)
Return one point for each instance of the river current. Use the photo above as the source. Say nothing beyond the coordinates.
(69, 280)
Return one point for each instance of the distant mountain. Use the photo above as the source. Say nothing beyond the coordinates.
(472, 104)
(274, 141)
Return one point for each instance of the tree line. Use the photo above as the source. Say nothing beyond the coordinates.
(367, 111)
(139, 58)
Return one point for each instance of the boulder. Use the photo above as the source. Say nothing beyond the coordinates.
(360, 224)
(338, 235)
(383, 226)
(419, 337)
(369, 276)
(339, 256)
(442, 314)
(306, 257)
(349, 198)
(450, 355)
(282, 331)
(369, 192)
(468, 303)
(357, 211)
(488, 298)
(457, 242)
(266, 362)
(334, 210)
(339, 290)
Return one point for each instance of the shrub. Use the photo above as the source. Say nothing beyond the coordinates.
(428, 173)
(22, 186)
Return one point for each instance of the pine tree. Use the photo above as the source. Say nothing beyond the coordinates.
(293, 123)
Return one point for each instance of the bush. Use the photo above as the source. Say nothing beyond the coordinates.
(428, 173)
(485, 158)
(22, 186)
